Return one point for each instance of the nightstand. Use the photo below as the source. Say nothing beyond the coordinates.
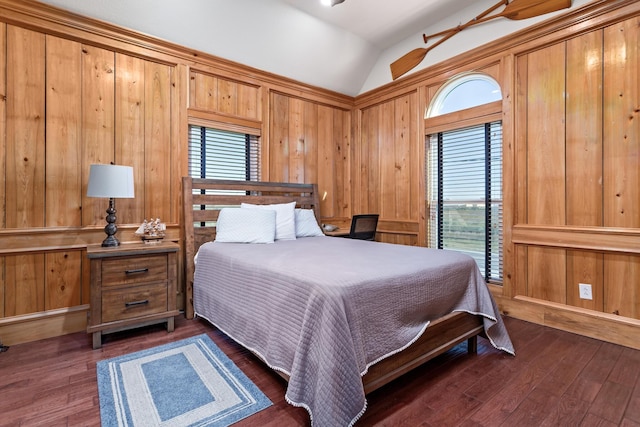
(132, 285)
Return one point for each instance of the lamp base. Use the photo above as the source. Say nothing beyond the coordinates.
(110, 241)
(111, 228)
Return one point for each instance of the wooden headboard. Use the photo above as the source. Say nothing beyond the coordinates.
(204, 198)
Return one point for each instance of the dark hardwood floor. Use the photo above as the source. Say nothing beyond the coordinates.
(555, 379)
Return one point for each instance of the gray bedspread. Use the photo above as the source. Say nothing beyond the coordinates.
(323, 310)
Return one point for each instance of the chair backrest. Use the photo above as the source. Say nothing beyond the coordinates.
(363, 227)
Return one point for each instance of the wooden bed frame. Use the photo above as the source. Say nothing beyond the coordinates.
(202, 201)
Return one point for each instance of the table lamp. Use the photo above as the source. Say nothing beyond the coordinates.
(110, 181)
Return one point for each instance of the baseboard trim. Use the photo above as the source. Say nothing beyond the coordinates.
(47, 324)
(602, 326)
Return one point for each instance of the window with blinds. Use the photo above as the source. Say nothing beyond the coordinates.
(465, 194)
(220, 154)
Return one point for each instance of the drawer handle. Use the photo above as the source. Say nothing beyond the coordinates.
(137, 271)
(136, 303)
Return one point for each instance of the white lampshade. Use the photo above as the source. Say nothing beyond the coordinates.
(110, 181)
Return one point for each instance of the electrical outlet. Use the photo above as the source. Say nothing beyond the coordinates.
(585, 291)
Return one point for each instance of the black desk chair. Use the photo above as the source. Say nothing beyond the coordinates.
(363, 227)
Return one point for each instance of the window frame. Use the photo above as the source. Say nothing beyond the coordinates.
(454, 84)
(207, 119)
(223, 154)
(475, 116)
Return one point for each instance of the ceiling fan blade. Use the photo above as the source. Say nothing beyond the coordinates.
(516, 10)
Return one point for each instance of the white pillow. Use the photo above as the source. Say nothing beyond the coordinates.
(285, 218)
(237, 225)
(306, 223)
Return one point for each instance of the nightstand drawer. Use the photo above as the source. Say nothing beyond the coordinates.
(131, 270)
(134, 302)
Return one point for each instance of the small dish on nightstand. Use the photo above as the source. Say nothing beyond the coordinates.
(329, 227)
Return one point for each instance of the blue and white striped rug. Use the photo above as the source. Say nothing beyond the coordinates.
(185, 383)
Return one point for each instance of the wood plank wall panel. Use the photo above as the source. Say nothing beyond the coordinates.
(24, 279)
(341, 185)
(622, 161)
(3, 125)
(279, 138)
(220, 95)
(248, 105)
(203, 92)
(545, 136)
(2, 285)
(520, 141)
(227, 97)
(584, 130)
(62, 282)
(366, 149)
(333, 169)
(385, 182)
(372, 189)
(547, 283)
(178, 153)
(130, 132)
(157, 143)
(545, 168)
(3, 147)
(585, 267)
(98, 123)
(64, 130)
(63, 279)
(584, 181)
(622, 290)
(622, 125)
(25, 155)
(308, 143)
(389, 167)
(406, 176)
(85, 290)
(296, 139)
(328, 172)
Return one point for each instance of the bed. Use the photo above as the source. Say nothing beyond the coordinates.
(338, 318)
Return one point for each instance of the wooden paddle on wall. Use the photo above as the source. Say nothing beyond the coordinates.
(468, 24)
(516, 10)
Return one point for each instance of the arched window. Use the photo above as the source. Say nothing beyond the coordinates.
(464, 164)
(464, 91)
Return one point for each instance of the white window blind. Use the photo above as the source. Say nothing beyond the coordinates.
(222, 154)
(465, 194)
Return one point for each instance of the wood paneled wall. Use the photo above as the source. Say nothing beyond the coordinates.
(570, 165)
(70, 98)
(310, 142)
(67, 105)
(74, 91)
(222, 95)
(581, 169)
(388, 176)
